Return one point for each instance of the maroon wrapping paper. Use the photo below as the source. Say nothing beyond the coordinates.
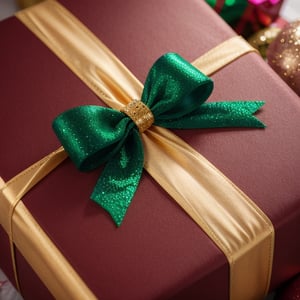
(158, 252)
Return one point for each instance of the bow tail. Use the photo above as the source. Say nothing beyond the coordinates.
(219, 114)
(120, 178)
(231, 114)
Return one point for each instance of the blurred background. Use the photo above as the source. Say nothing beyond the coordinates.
(290, 8)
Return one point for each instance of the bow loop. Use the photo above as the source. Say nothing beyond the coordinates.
(174, 88)
(92, 134)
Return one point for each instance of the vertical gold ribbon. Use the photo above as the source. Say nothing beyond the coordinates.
(236, 225)
(43, 256)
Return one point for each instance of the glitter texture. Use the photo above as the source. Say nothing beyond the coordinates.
(283, 55)
(262, 39)
(173, 97)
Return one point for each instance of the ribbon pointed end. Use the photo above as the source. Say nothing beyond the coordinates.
(258, 123)
(112, 206)
(247, 111)
(256, 105)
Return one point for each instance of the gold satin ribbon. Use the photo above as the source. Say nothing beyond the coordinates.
(236, 225)
(40, 252)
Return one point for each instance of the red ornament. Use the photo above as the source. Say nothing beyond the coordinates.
(284, 55)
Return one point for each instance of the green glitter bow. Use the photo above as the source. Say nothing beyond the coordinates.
(175, 92)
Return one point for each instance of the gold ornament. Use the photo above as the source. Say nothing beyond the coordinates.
(263, 38)
(283, 55)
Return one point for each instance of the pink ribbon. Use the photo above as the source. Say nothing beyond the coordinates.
(257, 2)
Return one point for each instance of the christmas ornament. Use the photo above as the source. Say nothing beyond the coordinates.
(263, 38)
(283, 55)
(291, 291)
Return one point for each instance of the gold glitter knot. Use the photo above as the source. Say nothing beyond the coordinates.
(139, 113)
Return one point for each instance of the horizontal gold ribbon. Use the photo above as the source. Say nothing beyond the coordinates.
(236, 225)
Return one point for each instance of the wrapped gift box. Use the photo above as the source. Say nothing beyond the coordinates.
(158, 252)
